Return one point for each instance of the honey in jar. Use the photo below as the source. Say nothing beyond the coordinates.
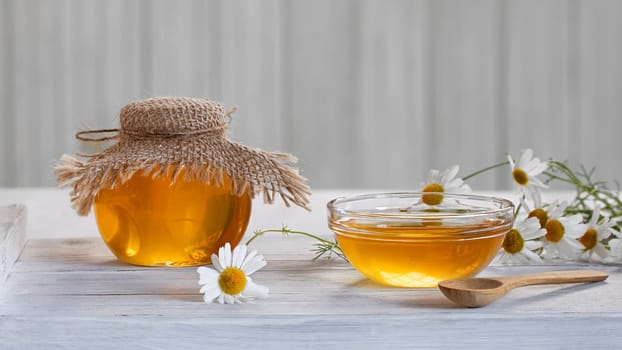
(153, 222)
(173, 188)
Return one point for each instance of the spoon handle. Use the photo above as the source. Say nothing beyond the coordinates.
(555, 277)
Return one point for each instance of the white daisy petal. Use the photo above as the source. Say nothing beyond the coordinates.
(449, 174)
(532, 257)
(530, 228)
(216, 263)
(524, 157)
(221, 251)
(221, 257)
(254, 265)
(227, 255)
(595, 215)
(248, 258)
(207, 275)
(221, 299)
(532, 245)
(432, 176)
(512, 164)
(255, 290)
(536, 182)
(229, 299)
(209, 294)
(539, 167)
(239, 253)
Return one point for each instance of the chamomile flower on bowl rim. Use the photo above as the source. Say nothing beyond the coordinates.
(443, 182)
(525, 170)
(562, 232)
(519, 244)
(229, 281)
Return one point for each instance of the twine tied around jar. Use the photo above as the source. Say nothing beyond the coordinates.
(161, 136)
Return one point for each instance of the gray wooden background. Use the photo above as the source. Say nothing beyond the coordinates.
(365, 93)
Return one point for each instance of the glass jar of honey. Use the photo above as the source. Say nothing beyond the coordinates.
(173, 189)
(153, 222)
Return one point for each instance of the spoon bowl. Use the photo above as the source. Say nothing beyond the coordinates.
(478, 292)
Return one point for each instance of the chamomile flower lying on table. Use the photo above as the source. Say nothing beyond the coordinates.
(521, 242)
(594, 234)
(562, 232)
(539, 210)
(229, 281)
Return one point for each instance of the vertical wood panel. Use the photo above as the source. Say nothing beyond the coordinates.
(66, 121)
(46, 102)
(595, 138)
(175, 30)
(122, 58)
(7, 88)
(85, 72)
(322, 42)
(27, 92)
(251, 71)
(366, 93)
(392, 116)
(463, 86)
(538, 80)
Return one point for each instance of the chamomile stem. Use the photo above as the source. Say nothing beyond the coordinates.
(485, 170)
(287, 231)
(322, 247)
(585, 189)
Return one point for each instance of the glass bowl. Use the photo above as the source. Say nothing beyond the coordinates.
(398, 240)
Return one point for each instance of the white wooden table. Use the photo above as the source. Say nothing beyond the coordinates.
(67, 291)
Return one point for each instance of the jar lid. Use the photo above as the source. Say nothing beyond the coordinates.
(161, 133)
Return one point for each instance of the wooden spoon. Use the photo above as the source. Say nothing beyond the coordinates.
(477, 292)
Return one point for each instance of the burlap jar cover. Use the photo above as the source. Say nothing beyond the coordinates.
(162, 136)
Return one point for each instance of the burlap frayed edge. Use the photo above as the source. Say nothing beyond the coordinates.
(87, 178)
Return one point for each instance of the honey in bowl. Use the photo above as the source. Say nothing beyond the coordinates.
(422, 245)
(153, 222)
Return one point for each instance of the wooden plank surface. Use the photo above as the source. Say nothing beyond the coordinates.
(68, 291)
(72, 293)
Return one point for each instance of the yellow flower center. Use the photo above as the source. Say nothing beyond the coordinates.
(541, 214)
(589, 238)
(232, 281)
(520, 176)
(554, 231)
(432, 199)
(513, 242)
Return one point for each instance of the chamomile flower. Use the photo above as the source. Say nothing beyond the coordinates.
(519, 244)
(229, 281)
(539, 209)
(560, 240)
(594, 234)
(442, 181)
(525, 170)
